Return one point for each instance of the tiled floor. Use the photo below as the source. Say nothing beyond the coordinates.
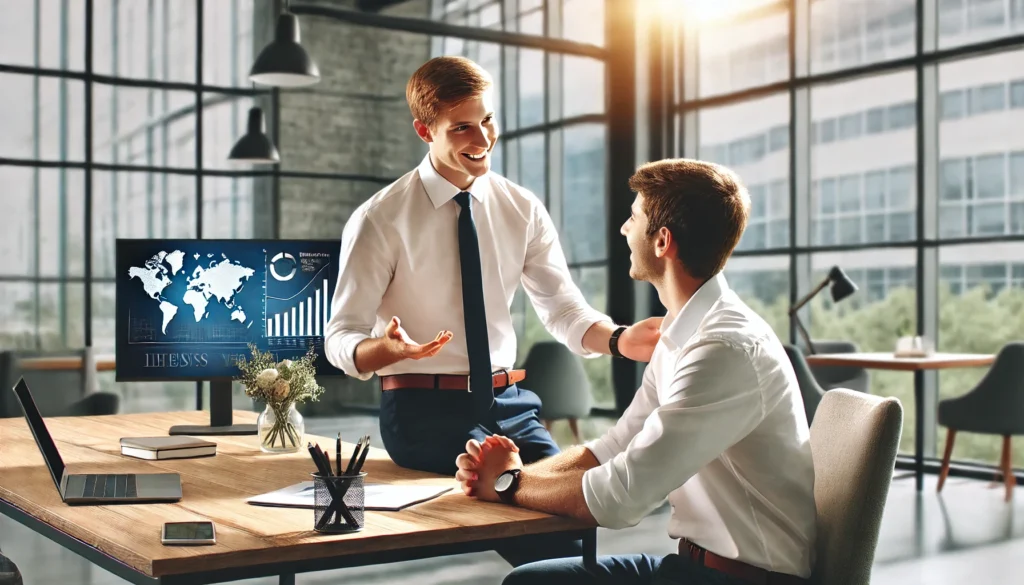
(966, 535)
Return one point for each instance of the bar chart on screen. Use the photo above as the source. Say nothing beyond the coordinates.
(298, 296)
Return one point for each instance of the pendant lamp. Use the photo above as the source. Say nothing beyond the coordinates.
(255, 146)
(284, 63)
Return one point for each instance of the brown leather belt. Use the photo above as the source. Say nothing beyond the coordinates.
(738, 569)
(447, 381)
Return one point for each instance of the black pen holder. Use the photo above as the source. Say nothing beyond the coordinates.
(338, 503)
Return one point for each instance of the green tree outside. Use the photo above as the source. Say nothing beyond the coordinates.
(974, 322)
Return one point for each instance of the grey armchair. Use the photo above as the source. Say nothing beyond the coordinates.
(854, 440)
(829, 377)
(995, 406)
(557, 376)
(810, 390)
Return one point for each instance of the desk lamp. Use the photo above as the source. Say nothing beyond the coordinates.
(842, 287)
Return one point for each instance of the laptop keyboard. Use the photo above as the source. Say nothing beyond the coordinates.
(110, 486)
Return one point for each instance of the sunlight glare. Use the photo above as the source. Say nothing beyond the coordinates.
(709, 10)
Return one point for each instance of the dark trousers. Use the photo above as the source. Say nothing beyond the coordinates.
(619, 570)
(426, 429)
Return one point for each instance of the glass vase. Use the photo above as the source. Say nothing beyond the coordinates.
(280, 428)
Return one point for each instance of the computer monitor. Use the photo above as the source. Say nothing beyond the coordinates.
(187, 310)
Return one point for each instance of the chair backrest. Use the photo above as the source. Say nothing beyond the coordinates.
(996, 404)
(809, 388)
(9, 574)
(849, 377)
(854, 440)
(557, 376)
(56, 391)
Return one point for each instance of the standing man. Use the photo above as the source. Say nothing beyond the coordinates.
(718, 426)
(437, 256)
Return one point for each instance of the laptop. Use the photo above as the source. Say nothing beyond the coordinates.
(94, 488)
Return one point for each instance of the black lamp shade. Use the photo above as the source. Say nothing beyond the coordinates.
(842, 286)
(284, 63)
(255, 147)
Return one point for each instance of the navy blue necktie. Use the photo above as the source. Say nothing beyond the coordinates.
(480, 379)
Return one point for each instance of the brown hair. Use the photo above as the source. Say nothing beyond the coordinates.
(443, 83)
(703, 205)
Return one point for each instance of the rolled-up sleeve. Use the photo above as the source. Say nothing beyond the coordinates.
(559, 303)
(714, 400)
(365, 270)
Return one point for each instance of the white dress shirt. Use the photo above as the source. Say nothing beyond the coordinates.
(718, 427)
(400, 257)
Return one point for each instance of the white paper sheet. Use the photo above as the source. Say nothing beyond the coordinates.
(381, 497)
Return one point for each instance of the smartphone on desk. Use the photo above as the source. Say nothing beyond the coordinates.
(188, 533)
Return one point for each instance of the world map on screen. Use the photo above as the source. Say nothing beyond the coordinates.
(208, 279)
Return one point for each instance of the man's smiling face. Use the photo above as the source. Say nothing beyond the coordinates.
(462, 138)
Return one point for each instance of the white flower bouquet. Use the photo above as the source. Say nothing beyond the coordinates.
(280, 385)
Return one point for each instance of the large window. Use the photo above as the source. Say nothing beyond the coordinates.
(752, 138)
(145, 181)
(863, 161)
(907, 168)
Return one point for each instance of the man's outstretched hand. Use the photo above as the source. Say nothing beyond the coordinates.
(638, 340)
(482, 463)
(405, 348)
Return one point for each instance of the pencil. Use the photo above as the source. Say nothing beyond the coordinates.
(362, 458)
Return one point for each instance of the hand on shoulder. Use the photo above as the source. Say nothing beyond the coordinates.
(638, 341)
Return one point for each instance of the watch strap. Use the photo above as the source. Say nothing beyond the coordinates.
(613, 342)
(507, 495)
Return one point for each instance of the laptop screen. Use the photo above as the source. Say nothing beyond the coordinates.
(43, 438)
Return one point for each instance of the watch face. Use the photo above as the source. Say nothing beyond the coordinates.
(503, 482)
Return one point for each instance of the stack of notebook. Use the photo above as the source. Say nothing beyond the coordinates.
(176, 447)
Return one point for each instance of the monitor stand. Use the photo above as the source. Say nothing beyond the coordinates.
(220, 414)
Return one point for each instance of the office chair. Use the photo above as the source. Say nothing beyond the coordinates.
(851, 377)
(557, 376)
(995, 406)
(811, 392)
(9, 573)
(59, 392)
(854, 440)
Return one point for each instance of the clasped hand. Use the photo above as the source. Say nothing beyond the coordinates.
(482, 463)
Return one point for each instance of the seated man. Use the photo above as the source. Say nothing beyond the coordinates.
(717, 426)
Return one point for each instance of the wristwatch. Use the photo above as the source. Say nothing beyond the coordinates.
(613, 342)
(507, 484)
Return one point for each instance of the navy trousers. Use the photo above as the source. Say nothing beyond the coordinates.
(620, 570)
(426, 429)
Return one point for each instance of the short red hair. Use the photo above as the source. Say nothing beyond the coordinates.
(443, 83)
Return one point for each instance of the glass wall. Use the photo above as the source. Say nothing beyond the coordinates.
(151, 109)
(874, 194)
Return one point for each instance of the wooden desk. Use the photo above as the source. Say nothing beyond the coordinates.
(104, 363)
(252, 541)
(918, 365)
(886, 361)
